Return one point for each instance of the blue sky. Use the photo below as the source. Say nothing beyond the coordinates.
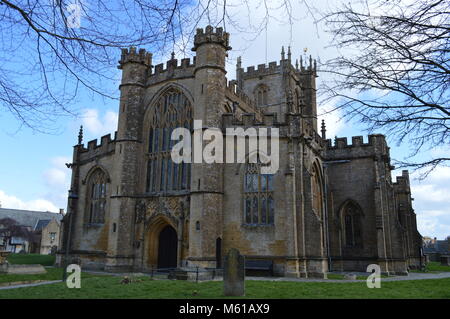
(32, 166)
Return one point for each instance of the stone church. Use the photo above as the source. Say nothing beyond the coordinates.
(331, 206)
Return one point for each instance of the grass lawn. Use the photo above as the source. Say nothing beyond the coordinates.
(110, 287)
(434, 266)
(44, 260)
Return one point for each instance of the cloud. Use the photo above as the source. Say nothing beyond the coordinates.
(10, 201)
(430, 193)
(99, 125)
(333, 120)
(57, 180)
(432, 202)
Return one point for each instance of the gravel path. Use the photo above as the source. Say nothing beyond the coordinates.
(411, 276)
(30, 285)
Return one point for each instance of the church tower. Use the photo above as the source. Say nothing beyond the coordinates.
(211, 48)
(135, 67)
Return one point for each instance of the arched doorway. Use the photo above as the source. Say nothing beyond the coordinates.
(167, 248)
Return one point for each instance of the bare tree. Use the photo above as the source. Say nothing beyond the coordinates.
(394, 70)
(54, 50)
(10, 228)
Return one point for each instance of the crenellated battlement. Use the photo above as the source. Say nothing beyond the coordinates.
(290, 127)
(209, 35)
(402, 182)
(278, 67)
(262, 69)
(376, 146)
(131, 56)
(93, 150)
(172, 69)
(173, 64)
(357, 141)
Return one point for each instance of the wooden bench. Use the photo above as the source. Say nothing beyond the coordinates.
(259, 264)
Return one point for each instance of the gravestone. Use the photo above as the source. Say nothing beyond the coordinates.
(234, 274)
(350, 277)
(445, 260)
(34, 269)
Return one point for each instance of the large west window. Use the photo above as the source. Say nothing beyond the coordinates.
(258, 196)
(172, 110)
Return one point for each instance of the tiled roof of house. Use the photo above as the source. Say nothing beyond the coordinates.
(29, 218)
(41, 224)
(440, 246)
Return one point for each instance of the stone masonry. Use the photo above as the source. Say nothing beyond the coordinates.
(335, 206)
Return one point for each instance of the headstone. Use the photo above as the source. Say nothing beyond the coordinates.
(234, 274)
(350, 277)
(3, 268)
(26, 269)
(445, 260)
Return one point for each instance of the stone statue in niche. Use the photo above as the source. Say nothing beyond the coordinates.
(141, 208)
(290, 101)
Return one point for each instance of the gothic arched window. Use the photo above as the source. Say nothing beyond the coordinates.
(258, 196)
(96, 197)
(316, 190)
(261, 95)
(171, 110)
(352, 225)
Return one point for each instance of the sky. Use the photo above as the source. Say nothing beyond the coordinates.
(33, 174)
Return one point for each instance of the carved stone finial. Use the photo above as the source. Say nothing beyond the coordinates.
(296, 64)
(239, 63)
(282, 53)
(324, 131)
(289, 53)
(172, 56)
(80, 135)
